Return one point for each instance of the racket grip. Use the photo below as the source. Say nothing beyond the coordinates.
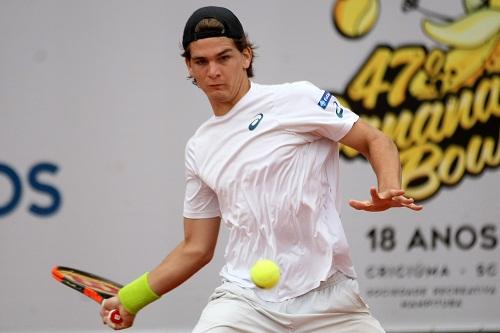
(115, 317)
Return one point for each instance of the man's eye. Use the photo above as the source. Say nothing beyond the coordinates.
(200, 62)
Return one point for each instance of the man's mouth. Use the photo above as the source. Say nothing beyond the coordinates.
(216, 87)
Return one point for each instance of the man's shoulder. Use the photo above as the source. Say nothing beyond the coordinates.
(291, 91)
(288, 91)
(286, 86)
(199, 131)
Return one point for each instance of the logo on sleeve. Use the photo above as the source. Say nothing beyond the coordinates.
(338, 109)
(323, 102)
(255, 122)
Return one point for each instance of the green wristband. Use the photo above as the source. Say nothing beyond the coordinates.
(137, 294)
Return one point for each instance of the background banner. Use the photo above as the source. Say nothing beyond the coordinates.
(96, 108)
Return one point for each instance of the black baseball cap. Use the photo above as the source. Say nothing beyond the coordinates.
(232, 26)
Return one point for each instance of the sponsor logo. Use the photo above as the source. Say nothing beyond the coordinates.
(438, 103)
(255, 122)
(323, 102)
(36, 182)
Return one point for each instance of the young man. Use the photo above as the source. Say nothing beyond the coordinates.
(267, 165)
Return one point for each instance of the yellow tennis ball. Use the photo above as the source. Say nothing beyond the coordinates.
(355, 18)
(265, 273)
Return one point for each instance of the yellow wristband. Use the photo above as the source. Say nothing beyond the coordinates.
(137, 294)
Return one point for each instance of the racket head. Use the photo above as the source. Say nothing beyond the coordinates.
(91, 285)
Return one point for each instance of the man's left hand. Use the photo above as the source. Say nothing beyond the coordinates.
(384, 200)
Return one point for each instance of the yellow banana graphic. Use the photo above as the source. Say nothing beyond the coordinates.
(470, 31)
(464, 66)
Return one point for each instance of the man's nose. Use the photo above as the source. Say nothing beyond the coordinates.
(213, 69)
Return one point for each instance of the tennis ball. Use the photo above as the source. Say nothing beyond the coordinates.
(355, 18)
(265, 273)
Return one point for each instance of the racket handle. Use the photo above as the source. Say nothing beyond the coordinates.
(114, 316)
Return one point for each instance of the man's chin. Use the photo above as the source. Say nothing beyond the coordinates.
(217, 95)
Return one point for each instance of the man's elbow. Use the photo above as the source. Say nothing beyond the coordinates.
(202, 255)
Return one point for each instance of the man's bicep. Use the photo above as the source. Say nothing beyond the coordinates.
(202, 231)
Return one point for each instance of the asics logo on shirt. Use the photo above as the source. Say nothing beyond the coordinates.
(255, 122)
(338, 109)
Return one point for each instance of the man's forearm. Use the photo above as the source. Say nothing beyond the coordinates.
(383, 156)
(183, 262)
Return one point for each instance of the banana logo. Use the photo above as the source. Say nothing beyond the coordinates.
(473, 43)
(471, 31)
(439, 104)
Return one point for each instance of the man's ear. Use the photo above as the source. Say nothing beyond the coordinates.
(247, 55)
(188, 65)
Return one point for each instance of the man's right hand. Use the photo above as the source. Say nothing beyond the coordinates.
(111, 304)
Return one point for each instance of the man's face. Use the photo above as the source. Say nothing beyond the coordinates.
(219, 68)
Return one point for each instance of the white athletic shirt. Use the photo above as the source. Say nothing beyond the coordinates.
(270, 168)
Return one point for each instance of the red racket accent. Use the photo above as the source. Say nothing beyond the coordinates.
(93, 286)
(93, 294)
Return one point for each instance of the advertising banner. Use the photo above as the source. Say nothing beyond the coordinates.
(439, 102)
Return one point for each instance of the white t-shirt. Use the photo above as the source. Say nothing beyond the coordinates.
(270, 168)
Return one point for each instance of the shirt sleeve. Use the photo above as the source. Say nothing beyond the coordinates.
(200, 201)
(315, 111)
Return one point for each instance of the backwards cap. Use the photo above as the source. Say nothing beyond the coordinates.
(232, 26)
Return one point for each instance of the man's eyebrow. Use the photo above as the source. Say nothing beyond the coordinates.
(221, 53)
(224, 52)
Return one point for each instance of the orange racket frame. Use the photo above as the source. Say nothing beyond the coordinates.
(93, 286)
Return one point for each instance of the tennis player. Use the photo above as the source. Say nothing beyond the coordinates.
(266, 164)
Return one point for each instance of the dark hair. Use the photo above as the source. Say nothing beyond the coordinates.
(240, 43)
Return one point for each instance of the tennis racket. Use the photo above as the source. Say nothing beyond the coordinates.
(92, 286)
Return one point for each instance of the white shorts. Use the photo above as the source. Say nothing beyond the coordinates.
(334, 306)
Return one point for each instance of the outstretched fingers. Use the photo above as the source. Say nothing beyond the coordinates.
(381, 201)
(413, 206)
